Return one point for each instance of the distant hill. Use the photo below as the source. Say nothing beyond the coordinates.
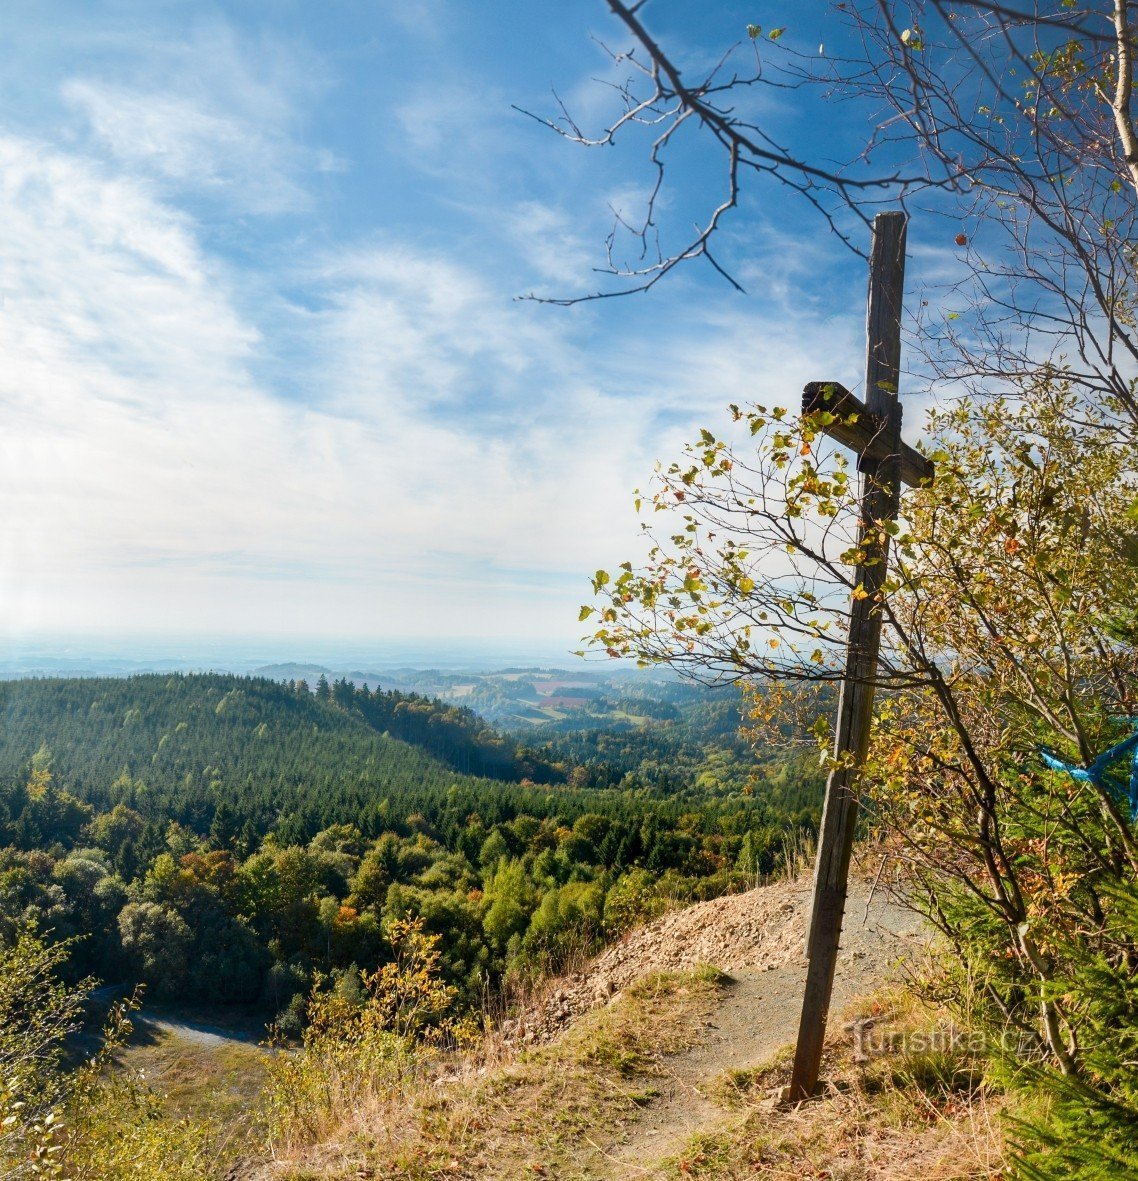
(180, 744)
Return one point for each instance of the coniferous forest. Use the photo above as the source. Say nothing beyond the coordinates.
(235, 840)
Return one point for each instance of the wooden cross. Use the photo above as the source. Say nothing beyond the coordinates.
(885, 463)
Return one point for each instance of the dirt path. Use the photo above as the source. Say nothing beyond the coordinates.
(759, 937)
(158, 1019)
(206, 1036)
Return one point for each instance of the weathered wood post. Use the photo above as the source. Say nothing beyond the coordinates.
(883, 462)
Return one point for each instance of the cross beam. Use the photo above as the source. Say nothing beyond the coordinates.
(873, 430)
(863, 432)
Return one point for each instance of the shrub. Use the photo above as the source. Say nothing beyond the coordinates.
(84, 1122)
(357, 1053)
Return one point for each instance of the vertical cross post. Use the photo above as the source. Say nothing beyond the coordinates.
(880, 465)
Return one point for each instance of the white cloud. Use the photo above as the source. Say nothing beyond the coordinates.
(452, 129)
(209, 113)
(176, 139)
(328, 161)
(202, 433)
(150, 477)
(457, 461)
(425, 18)
(548, 243)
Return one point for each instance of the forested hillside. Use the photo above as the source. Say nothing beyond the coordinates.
(230, 839)
(171, 726)
(687, 743)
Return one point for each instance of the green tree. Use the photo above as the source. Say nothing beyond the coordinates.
(223, 829)
(51, 813)
(511, 899)
(568, 921)
(157, 941)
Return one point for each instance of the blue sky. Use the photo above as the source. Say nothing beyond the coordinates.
(264, 369)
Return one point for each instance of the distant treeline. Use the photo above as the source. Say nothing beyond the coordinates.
(688, 746)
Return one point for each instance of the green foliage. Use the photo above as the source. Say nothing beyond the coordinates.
(37, 1013)
(636, 898)
(686, 744)
(360, 1045)
(247, 838)
(79, 1121)
(156, 941)
(568, 922)
(1083, 1125)
(1006, 628)
(511, 898)
(1014, 582)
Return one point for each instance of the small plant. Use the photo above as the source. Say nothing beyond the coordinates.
(87, 1122)
(37, 1013)
(938, 1074)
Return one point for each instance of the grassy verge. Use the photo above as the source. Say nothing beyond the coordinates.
(541, 1114)
(218, 1086)
(904, 1098)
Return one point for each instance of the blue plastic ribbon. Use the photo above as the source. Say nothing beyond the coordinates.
(1097, 772)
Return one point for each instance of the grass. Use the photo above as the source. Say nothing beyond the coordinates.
(909, 1101)
(904, 1100)
(216, 1089)
(215, 1083)
(543, 1113)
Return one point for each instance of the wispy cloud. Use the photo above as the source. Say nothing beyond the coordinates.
(210, 113)
(549, 243)
(352, 426)
(176, 139)
(425, 18)
(442, 121)
(459, 458)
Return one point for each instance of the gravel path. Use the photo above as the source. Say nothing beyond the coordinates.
(197, 1034)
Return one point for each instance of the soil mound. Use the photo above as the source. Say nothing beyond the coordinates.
(758, 931)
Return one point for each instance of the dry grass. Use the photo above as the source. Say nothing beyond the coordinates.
(537, 1114)
(798, 856)
(216, 1083)
(215, 1089)
(909, 1105)
(897, 1109)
